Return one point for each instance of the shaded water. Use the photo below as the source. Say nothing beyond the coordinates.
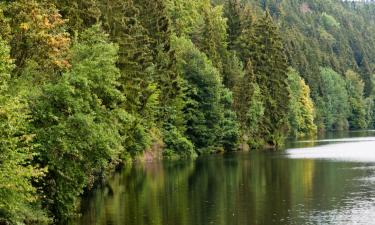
(331, 181)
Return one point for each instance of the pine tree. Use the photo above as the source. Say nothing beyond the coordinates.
(154, 18)
(266, 52)
(213, 40)
(249, 107)
(80, 14)
(121, 21)
(233, 11)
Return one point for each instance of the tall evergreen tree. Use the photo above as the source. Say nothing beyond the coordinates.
(154, 18)
(213, 39)
(266, 52)
(232, 12)
(121, 21)
(249, 107)
(80, 14)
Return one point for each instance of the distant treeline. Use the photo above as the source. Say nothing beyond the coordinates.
(86, 85)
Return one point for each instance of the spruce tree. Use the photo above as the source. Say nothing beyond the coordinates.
(249, 107)
(80, 14)
(121, 21)
(242, 43)
(233, 14)
(266, 52)
(154, 18)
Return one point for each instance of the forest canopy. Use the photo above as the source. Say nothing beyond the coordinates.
(88, 85)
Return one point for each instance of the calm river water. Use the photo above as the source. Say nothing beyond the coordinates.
(330, 181)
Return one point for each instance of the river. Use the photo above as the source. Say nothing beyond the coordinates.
(327, 181)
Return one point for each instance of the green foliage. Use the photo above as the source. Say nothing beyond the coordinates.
(18, 199)
(266, 52)
(370, 112)
(190, 76)
(333, 107)
(249, 107)
(233, 14)
(204, 92)
(213, 39)
(38, 36)
(185, 16)
(301, 107)
(329, 21)
(229, 126)
(177, 145)
(355, 87)
(75, 124)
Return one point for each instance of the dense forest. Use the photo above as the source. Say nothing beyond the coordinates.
(87, 85)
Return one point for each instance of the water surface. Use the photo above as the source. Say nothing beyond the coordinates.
(330, 181)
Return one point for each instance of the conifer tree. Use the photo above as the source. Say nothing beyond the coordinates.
(80, 14)
(186, 17)
(242, 43)
(232, 12)
(249, 107)
(154, 18)
(213, 39)
(266, 52)
(121, 21)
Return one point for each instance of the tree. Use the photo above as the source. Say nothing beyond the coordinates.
(38, 39)
(80, 14)
(333, 107)
(213, 39)
(154, 18)
(301, 107)
(18, 199)
(186, 17)
(355, 88)
(264, 47)
(243, 42)
(75, 122)
(204, 99)
(232, 12)
(121, 21)
(249, 107)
